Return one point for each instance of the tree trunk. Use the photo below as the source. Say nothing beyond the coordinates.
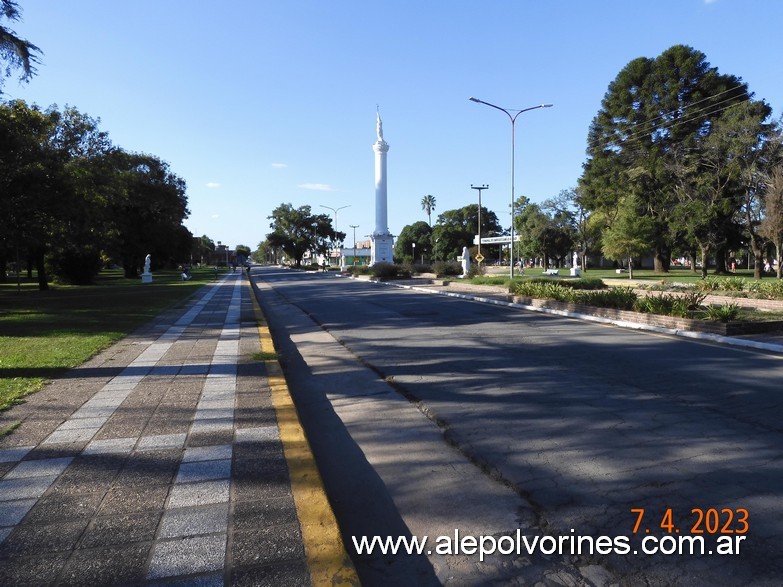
(630, 267)
(661, 260)
(778, 249)
(692, 254)
(705, 250)
(43, 281)
(720, 260)
(758, 272)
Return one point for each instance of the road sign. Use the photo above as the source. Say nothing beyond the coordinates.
(479, 258)
(494, 240)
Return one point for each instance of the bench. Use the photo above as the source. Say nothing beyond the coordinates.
(553, 272)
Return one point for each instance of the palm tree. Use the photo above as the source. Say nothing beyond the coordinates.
(428, 205)
(15, 52)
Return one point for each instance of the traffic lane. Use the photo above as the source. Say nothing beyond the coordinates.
(586, 420)
(385, 466)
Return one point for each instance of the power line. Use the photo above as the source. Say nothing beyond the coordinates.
(647, 127)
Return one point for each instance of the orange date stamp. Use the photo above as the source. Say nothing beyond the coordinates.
(699, 521)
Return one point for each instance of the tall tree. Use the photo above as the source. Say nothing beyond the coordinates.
(418, 233)
(147, 205)
(568, 210)
(77, 239)
(29, 181)
(455, 229)
(15, 52)
(710, 182)
(549, 236)
(772, 225)
(428, 205)
(630, 235)
(297, 230)
(653, 108)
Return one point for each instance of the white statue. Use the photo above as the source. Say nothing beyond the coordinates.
(575, 262)
(147, 263)
(465, 261)
(379, 126)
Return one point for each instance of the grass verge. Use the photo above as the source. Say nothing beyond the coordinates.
(44, 333)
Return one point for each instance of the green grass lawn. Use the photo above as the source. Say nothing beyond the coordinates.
(44, 333)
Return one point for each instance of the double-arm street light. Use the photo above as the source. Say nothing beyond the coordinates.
(513, 119)
(335, 210)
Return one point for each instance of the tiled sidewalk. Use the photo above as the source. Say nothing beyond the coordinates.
(157, 462)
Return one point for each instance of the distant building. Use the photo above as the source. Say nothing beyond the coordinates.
(361, 255)
(222, 256)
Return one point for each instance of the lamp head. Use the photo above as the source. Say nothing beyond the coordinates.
(472, 99)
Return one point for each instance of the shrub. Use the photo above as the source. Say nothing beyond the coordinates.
(389, 271)
(418, 268)
(621, 298)
(724, 313)
(667, 305)
(585, 283)
(476, 270)
(772, 290)
(581, 283)
(359, 270)
(446, 268)
(732, 284)
(709, 283)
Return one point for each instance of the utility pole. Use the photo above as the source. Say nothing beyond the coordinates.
(354, 226)
(479, 257)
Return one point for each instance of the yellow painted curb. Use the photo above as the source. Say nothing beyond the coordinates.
(327, 559)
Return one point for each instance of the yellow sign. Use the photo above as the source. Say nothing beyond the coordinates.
(479, 258)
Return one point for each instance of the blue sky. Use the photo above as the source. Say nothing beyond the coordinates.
(258, 103)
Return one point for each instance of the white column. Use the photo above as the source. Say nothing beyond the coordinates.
(381, 221)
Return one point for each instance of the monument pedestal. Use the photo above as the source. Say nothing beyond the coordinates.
(576, 272)
(146, 277)
(382, 250)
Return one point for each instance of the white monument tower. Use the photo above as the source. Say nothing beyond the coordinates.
(382, 239)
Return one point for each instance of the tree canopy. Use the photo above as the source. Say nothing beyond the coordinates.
(655, 114)
(71, 201)
(297, 230)
(418, 233)
(456, 229)
(15, 52)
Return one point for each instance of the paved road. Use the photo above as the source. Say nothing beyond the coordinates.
(430, 414)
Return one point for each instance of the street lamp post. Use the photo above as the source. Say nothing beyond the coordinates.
(334, 228)
(513, 119)
(414, 252)
(479, 188)
(354, 226)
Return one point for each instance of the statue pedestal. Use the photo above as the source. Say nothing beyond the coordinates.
(146, 277)
(382, 249)
(576, 272)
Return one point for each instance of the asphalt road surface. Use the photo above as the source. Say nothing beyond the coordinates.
(480, 425)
